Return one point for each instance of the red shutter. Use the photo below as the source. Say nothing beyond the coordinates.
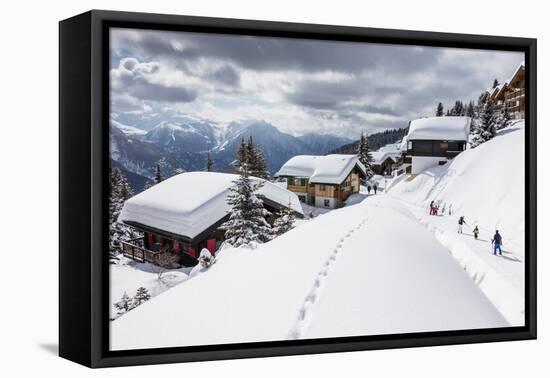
(150, 238)
(177, 246)
(211, 246)
(192, 252)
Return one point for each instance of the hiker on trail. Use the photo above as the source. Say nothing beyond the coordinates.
(368, 188)
(450, 209)
(432, 208)
(375, 187)
(497, 243)
(461, 222)
(476, 232)
(444, 208)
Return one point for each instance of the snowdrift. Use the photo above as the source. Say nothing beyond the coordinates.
(366, 269)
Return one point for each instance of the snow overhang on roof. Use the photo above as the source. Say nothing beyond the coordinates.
(329, 169)
(439, 128)
(189, 203)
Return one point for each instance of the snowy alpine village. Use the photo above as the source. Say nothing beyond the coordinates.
(244, 231)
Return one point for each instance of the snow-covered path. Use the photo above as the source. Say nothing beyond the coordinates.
(501, 278)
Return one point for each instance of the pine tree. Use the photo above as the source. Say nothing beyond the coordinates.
(458, 109)
(242, 155)
(119, 192)
(124, 305)
(364, 155)
(471, 110)
(209, 162)
(142, 295)
(255, 160)
(284, 222)
(439, 111)
(486, 126)
(495, 83)
(247, 223)
(158, 174)
(448, 113)
(504, 118)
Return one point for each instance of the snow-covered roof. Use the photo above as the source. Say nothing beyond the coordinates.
(189, 203)
(439, 128)
(516, 71)
(329, 169)
(392, 151)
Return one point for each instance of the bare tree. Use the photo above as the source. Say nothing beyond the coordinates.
(166, 260)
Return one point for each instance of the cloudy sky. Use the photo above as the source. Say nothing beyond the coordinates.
(297, 85)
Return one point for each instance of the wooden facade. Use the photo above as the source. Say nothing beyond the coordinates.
(317, 194)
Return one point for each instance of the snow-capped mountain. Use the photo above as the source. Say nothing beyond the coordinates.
(182, 146)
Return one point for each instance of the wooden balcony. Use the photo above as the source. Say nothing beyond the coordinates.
(135, 250)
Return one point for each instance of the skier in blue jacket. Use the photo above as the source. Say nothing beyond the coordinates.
(497, 243)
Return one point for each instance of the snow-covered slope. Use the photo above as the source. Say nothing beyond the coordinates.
(342, 273)
(484, 184)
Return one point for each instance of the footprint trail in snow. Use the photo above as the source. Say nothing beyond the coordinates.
(305, 312)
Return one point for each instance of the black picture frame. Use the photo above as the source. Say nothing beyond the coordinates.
(83, 154)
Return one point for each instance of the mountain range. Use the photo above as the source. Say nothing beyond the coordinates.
(183, 146)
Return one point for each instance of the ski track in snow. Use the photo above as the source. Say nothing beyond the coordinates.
(306, 311)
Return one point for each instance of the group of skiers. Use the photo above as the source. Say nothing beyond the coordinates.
(496, 241)
(434, 209)
(375, 187)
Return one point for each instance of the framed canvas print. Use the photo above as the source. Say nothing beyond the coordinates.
(233, 188)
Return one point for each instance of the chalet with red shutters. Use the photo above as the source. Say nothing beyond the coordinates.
(183, 214)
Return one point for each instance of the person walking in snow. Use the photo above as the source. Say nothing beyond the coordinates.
(461, 222)
(476, 232)
(368, 189)
(375, 187)
(497, 243)
(432, 208)
(450, 209)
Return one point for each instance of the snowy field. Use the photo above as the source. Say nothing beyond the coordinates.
(343, 273)
(127, 276)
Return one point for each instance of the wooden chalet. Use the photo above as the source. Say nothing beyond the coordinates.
(183, 214)
(433, 141)
(323, 181)
(511, 94)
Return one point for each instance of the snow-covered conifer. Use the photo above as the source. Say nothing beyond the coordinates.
(206, 259)
(485, 128)
(120, 191)
(504, 118)
(247, 223)
(124, 305)
(142, 295)
(364, 155)
(158, 174)
(284, 221)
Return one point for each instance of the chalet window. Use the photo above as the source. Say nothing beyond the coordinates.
(290, 181)
(327, 203)
(302, 182)
(302, 198)
(422, 146)
(322, 187)
(444, 146)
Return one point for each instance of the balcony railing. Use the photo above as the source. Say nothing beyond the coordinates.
(135, 250)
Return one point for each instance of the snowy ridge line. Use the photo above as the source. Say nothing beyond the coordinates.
(305, 313)
(499, 290)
